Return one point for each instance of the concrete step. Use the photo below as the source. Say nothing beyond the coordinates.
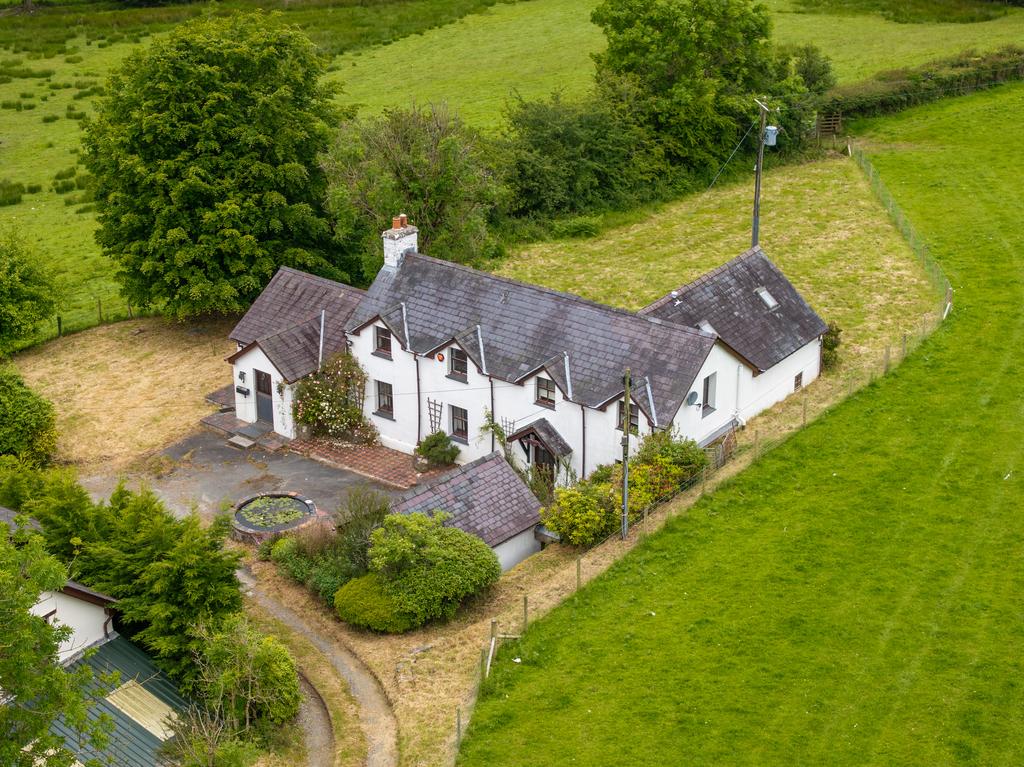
(241, 442)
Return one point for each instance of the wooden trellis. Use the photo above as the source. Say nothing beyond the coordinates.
(434, 408)
(508, 426)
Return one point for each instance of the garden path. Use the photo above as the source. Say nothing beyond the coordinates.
(376, 716)
(315, 722)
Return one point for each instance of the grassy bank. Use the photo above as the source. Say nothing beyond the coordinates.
(852, 598)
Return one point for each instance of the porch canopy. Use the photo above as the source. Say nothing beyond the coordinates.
(541, 432)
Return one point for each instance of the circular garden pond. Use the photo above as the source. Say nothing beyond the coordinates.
(262, 516)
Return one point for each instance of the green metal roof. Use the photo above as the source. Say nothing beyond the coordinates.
(130, 744)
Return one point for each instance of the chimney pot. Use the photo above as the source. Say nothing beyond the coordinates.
(400, 239)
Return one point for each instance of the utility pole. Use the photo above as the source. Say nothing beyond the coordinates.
(757, 180)
(625, 455)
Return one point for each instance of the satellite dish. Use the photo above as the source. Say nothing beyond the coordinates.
(691, 398)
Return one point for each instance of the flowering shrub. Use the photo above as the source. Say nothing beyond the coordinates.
(330, 401)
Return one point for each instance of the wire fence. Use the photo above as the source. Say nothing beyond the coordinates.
(738, 450)
(81, 311)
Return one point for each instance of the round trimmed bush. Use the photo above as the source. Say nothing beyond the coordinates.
(438, 449)
(362, 602)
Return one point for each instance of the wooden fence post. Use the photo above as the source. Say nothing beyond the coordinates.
(60, 326)
(526, 613)
(578, 579)
(458, 726)
(888, 355)
(804, 405)
(99, 309)
(904, 346)
(483, 664)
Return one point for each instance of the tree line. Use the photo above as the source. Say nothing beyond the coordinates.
(219, 154)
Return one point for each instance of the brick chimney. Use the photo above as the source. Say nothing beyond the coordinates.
(399, 240)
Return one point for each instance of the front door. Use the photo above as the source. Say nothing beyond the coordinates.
(264, 397)
(545, 464)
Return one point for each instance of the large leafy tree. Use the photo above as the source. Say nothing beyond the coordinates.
(26, 291)
(425, 162)
(28, 422)
(36, 689)
(204, 158)
(689, 68)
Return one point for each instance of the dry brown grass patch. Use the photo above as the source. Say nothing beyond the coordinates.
(125, 390)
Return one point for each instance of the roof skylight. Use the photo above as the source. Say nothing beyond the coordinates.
(768, 298)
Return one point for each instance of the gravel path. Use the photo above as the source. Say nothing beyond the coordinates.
(316, 727)
(375, 715)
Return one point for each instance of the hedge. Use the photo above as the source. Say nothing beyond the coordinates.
(362, 602)
(903, 88)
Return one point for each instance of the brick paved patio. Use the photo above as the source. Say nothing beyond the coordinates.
(376, 462)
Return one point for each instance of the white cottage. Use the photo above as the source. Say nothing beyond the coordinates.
(445, 345)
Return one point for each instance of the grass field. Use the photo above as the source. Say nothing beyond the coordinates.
(854, 597)
(533, 47)
(540, 46)
(840, 250)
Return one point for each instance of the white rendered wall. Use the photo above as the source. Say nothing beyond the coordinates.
(516, 549)
(398, 433)
(281, 392)
(691, 420)
(85, 619)
(758, 393)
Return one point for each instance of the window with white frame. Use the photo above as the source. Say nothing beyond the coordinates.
(458, 364)
(459, 423)
(545, 391)
(634, 418)
(381, 341)
(385, 399)
(710, 383)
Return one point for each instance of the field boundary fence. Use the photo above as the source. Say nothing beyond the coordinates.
(736, 451)
(82, 311)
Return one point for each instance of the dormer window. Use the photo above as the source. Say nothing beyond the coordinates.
(382, 341)
(545, 392)
(458, 364)
(768, 298)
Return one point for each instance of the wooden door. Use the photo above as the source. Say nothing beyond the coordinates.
(264, 397)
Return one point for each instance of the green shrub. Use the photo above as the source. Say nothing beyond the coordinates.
(63, 187)
(50, 118)
(263, 550)
(247, 676)
(578, 226)
(66, 173)
(569, 157)
(683, 453)
(438, 449)
(582, 515)
(830, 346)
(429, 569)
(363, 512)
(33, 188)
(362, 602)
(11, 104)
(28, 423)
(601, 474)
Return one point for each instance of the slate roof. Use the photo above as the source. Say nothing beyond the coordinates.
(284, 321)
(486, 498)
(523, 328)
(547, 434)
(7, 518)
(130, 744)
(726, 298)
